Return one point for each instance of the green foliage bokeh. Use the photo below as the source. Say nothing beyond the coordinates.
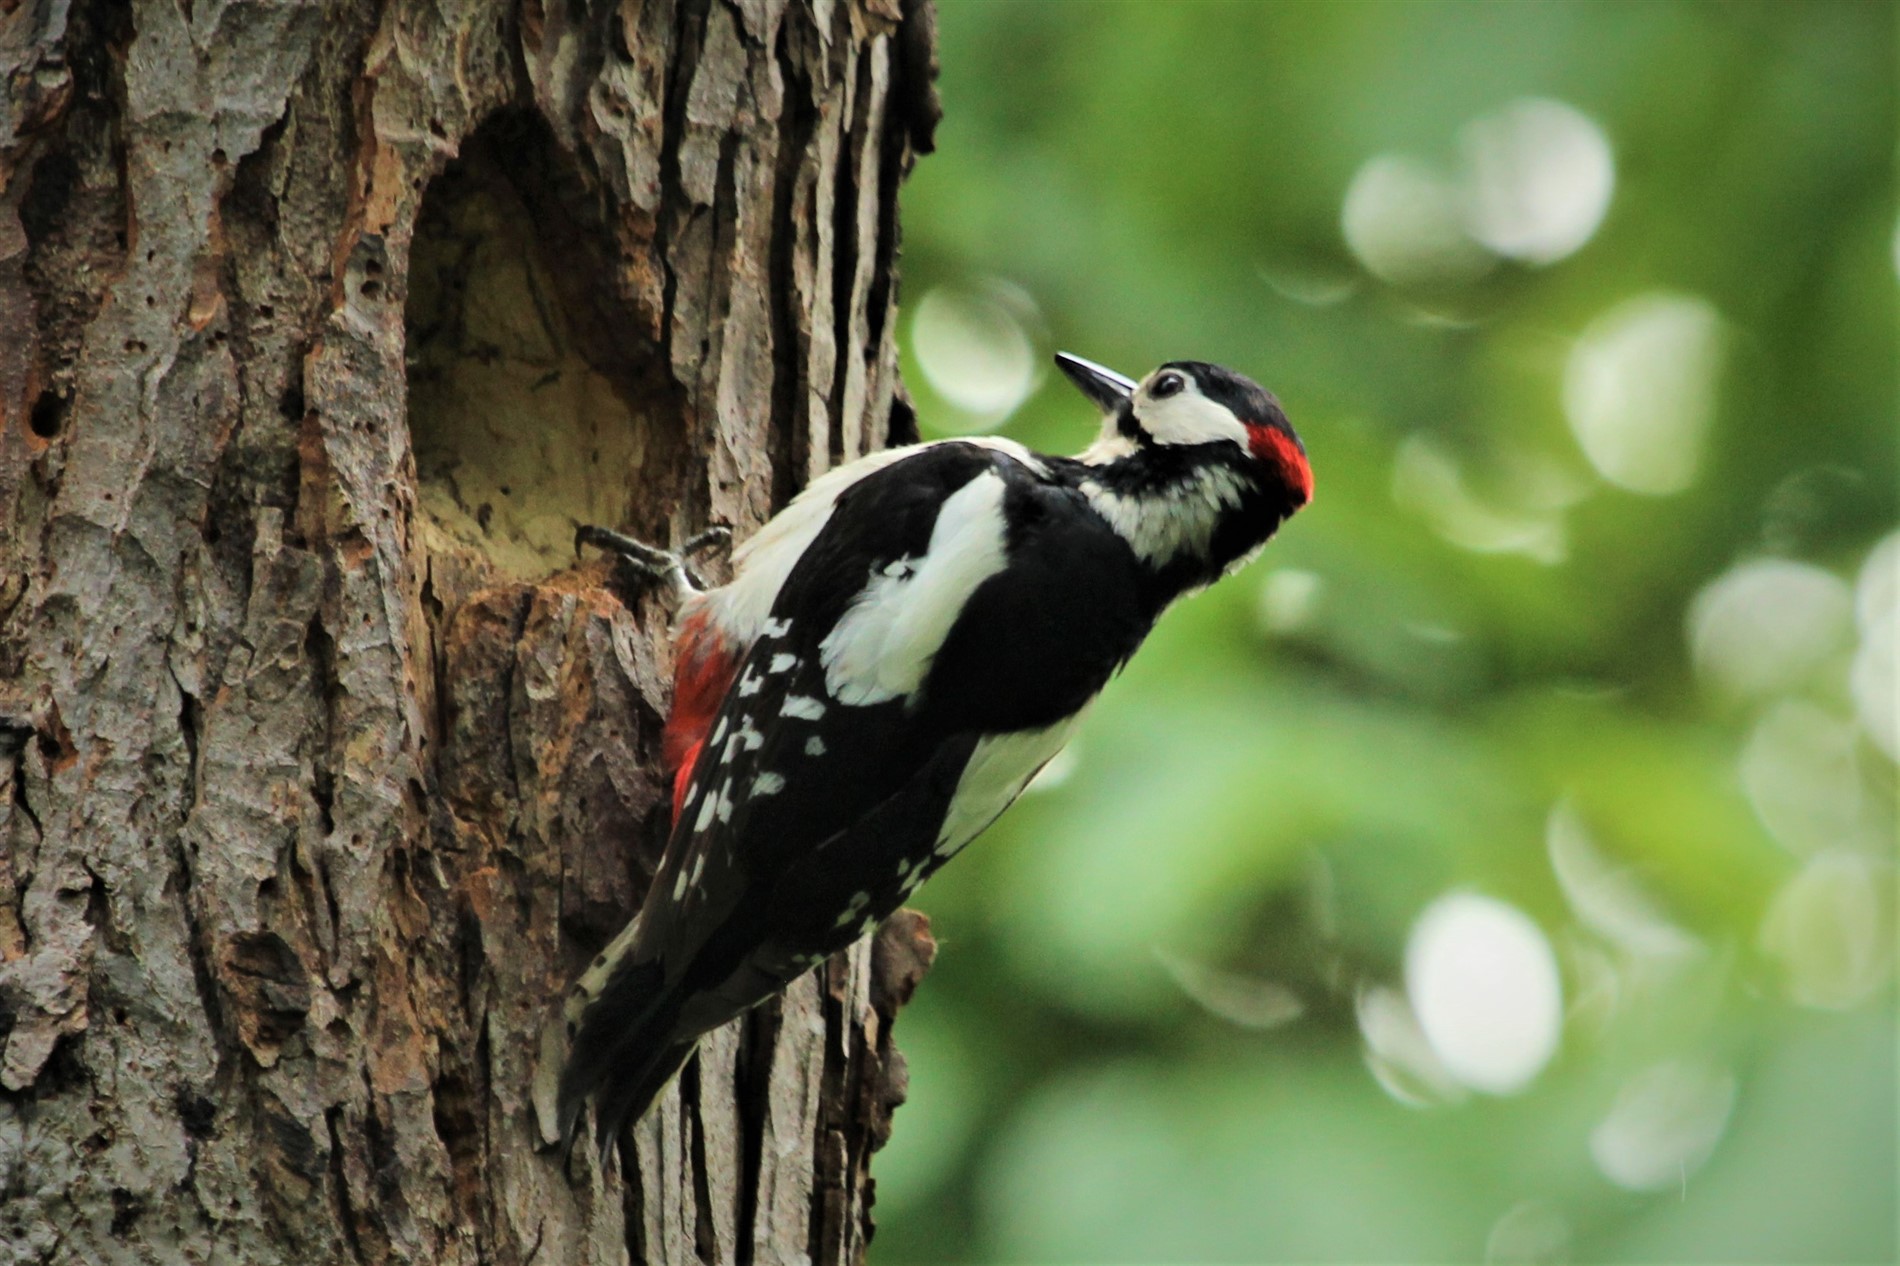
(1147, 1035)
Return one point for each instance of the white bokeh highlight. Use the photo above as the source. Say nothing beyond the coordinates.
(1530, 1233)
(1608, 898)
(1431, 481)
(975, 349)
(1483, 982)
(1539, 177)
(1533, 184)
(1764, 627)
(1310, 286)
(1398, 1054)
(1831, 930)
(1664, 1124)
(1877, 615)
(1243, 1000)
(1404, 221)
(1289, 599)
(1640, 389)
(1801, 772)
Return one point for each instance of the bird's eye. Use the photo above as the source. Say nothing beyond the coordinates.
(1166, 385)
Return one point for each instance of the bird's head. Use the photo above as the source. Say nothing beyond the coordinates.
(1187, 404)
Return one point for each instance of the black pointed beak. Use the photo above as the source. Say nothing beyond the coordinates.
(1099, 383)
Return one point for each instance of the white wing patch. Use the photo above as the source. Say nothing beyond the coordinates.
(884, 644)
(803, 708)
(761, 563)
(999, 768)
(742, 609)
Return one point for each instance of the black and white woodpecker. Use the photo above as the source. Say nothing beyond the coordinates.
(897, 654)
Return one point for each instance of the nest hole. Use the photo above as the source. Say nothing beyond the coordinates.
(533, 406)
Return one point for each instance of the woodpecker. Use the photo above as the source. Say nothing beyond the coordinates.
(899, 651)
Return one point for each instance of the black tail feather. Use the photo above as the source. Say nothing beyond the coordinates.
(624, 1102)
(625, 1027)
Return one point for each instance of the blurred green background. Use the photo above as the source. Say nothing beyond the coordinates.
(1501, 868)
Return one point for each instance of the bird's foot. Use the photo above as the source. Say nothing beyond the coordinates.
(640, 566)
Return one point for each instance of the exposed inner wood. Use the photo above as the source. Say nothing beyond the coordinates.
(517, 437)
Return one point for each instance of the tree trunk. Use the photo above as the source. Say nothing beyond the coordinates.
(327, 765)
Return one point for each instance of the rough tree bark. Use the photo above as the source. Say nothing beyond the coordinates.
(325, 764)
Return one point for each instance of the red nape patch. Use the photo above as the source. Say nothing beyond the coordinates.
(701, 676)
(1272, 445)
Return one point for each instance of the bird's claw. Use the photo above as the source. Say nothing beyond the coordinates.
(712, 538)
(642, 564)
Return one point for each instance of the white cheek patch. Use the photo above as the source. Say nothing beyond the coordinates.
(886, 641)
(1189, 418)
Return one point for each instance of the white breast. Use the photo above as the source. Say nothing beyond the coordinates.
(999, 769)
